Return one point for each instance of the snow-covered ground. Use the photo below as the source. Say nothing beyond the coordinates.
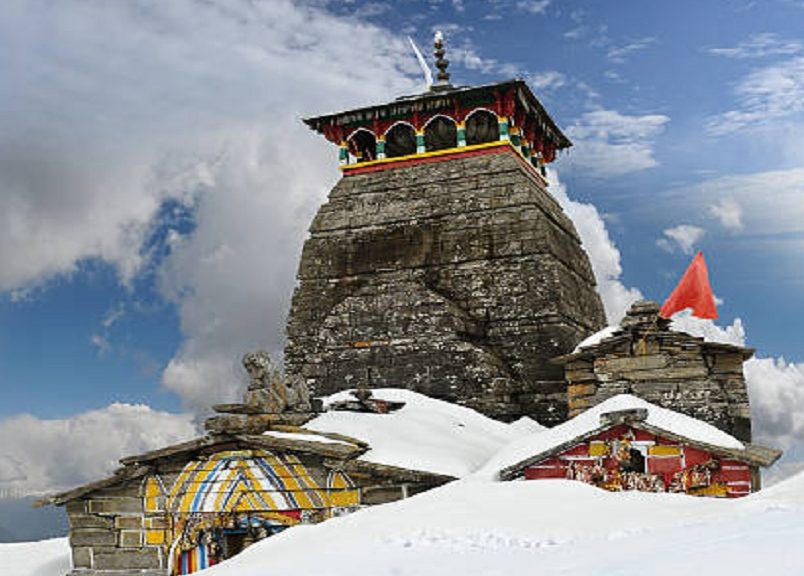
(475, 527)
(45, 558)
(478, 526)
(426, 434)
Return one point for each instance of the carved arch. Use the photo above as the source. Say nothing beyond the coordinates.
(440, 132)
(482, 125)
(400, 140)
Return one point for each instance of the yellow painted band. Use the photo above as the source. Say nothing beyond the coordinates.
(432, 154)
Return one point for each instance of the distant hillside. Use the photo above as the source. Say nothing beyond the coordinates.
(21, 522)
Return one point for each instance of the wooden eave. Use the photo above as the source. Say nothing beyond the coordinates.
(120, 475)
(525, 97)
(752, 454)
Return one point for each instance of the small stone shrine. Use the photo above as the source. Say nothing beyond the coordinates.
(627, 443)
(644, 357)
(441, 263)
(257, 472)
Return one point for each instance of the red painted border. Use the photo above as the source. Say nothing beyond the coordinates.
(442, 157)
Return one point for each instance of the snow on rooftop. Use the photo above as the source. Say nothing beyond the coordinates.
(426, 434)
(596, 338)
(675, 422)
(526, 425)
(305, 437)
(684, 321)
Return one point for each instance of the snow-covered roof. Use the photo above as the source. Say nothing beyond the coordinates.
(596, 338)
(589, 421)
(426, 434)
(305, 437)
(683, 322)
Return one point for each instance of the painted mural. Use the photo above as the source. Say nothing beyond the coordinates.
(625, 458)
(218, 506)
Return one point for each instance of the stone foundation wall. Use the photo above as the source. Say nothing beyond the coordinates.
(107, 532)
(458, 279)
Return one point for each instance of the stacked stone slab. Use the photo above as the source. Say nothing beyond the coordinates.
(459, 279)
(669, 368)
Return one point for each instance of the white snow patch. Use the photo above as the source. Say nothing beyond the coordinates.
(475, 528)
(526, 425)
(43, 558)
(588, 421)
(305, 437)
(596, 338)
(426, 434)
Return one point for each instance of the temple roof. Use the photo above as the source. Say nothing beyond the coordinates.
(512, 98)
(637, 413)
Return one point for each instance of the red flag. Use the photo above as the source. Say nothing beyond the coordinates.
(693, 291)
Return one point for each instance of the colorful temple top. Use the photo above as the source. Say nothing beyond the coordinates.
(444, 120)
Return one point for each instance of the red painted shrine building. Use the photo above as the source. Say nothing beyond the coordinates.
(627, 443)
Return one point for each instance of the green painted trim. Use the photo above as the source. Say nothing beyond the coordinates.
(503, 124)
(420, 143)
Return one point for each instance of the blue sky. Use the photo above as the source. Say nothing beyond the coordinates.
(156, 183)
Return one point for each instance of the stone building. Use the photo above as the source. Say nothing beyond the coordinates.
(185, 507)
(672, 369)
(440, 262)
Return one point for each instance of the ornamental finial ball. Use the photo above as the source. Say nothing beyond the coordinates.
(441, 63)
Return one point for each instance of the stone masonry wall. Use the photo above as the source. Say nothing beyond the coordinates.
(672, 369)
(107, 533)
(458, 279)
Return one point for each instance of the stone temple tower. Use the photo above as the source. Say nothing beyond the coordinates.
(440, 262)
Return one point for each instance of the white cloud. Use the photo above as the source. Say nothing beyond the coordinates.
(733, 334)
(547, 80)
(777, 400)
(533, 6)
(101, 342)
(760, 46)
(766, 204)
(608, 143)
(683, 237)
(728, 212)
(194, 103)
(48, 455)
(766, 96)
(776, 393)
(603, 254)
(467, 54)
(618, 54)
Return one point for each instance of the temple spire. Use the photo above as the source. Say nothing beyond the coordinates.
(442, 78)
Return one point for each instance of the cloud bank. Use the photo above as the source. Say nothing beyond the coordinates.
(192, 103)
(609, 144)
(603, 254)
(49, 455)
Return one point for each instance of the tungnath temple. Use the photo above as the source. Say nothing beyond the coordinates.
(441, 264)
